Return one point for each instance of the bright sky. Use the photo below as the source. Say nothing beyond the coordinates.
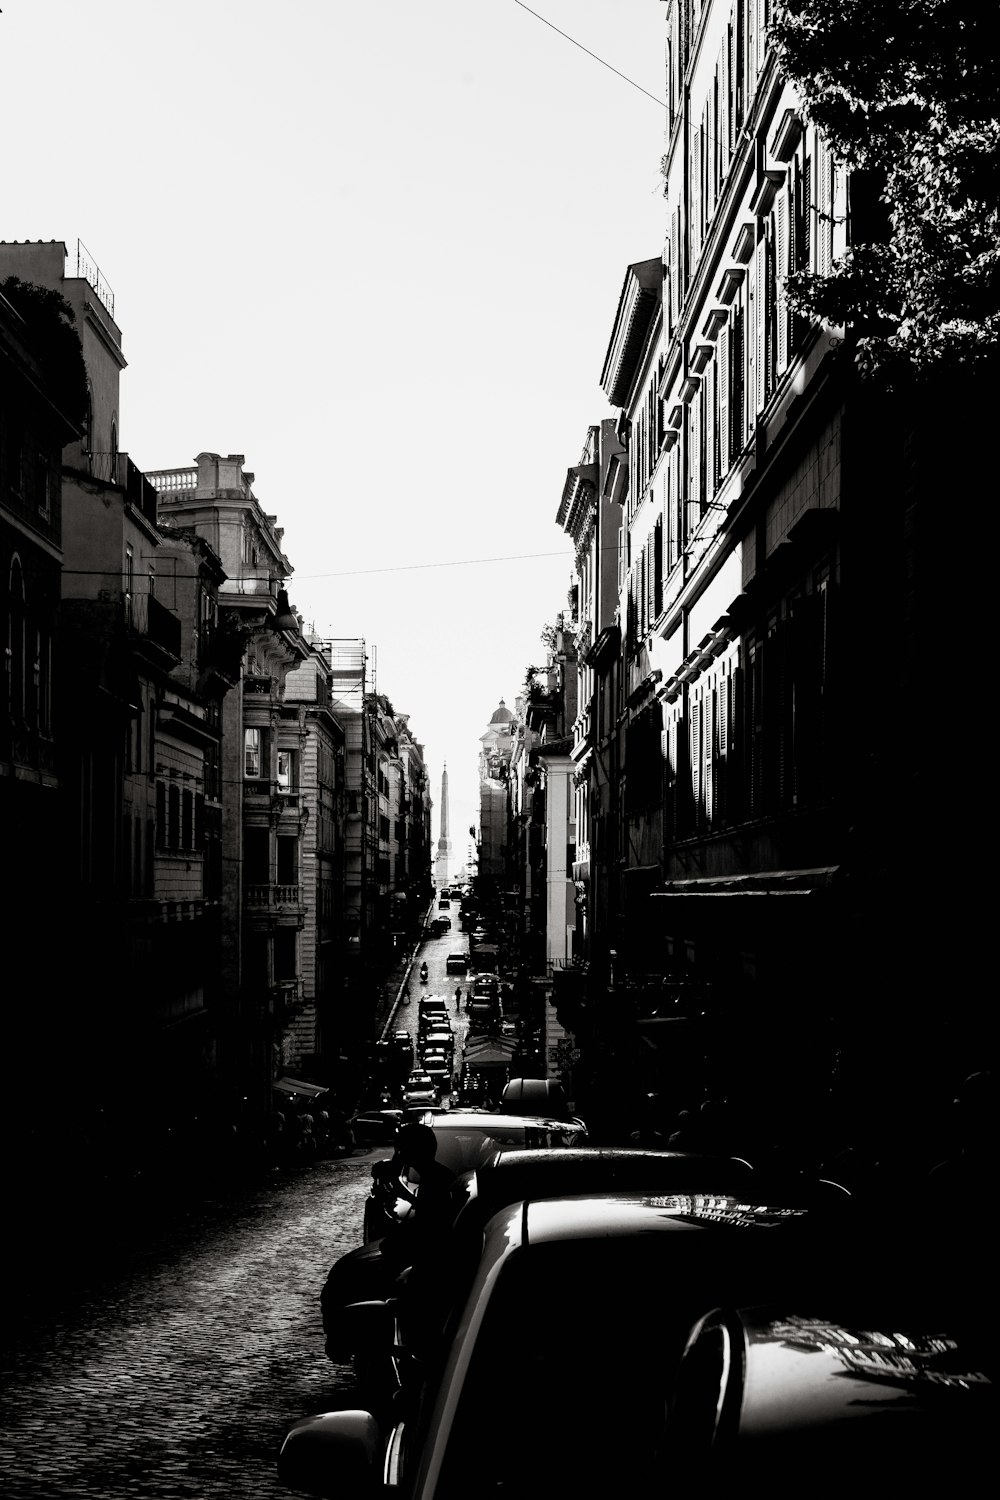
(377, 248)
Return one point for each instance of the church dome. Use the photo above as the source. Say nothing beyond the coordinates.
(502, 714)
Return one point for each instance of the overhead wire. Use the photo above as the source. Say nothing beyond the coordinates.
(594, 55)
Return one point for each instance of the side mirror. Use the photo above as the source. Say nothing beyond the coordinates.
(336, 1455)
(369, 1323)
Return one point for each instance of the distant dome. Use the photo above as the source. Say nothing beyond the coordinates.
(502, 715)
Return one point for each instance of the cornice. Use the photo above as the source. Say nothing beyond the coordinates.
(637, 308)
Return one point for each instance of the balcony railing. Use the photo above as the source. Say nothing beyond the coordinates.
(271, 897)
(88, 270)
(150, 620)
(171, 480)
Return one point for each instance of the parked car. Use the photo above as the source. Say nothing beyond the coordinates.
(510, 1174)
(534, 1096)
(591, 1393)
(440, 926)
(457, 963)
(466, 1139)
(876, 1388)
(376, 1127)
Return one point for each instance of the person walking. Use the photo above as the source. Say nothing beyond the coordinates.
(458, 997)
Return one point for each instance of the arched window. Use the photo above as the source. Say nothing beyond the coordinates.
(16, 641)
(114, 450)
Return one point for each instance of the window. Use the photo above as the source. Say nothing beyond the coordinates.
(42, 486)
(129, 581)
(16, 640)
(287, 778)
(251, 752)
(173, 817)
(187, 819)
(288, 860)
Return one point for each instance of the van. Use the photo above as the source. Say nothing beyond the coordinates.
(535, 1096)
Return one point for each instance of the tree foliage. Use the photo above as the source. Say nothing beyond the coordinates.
(49, 320)
(906, 92)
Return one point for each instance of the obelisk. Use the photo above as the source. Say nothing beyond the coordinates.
(444, 842)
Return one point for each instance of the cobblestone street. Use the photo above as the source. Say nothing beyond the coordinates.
(173, 1362)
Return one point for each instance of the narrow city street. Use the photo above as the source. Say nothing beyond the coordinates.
(170, 1361)
(162, 1350)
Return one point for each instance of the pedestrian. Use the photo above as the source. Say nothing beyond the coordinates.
(458, 997)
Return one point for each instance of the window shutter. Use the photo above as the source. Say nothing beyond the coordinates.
(781, 272)
(824, 205)
(753, 308)
(737, 390)
(696, 201)
(723, 379)
(711, 435)
(763, 310)
(677, 268)
(807, 249)
(694, 464)
(695, 761)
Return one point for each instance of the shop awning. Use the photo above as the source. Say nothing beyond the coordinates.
(491, 1052)
(762, 883)
(293, 1086)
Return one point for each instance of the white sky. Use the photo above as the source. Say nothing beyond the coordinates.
(376, 246)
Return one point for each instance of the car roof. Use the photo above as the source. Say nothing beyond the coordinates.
(812, 1384)
(555, 1171)
(609, 1215)
(483, 1119)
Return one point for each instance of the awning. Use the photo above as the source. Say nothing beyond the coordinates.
(293, 1086)
(490, 1052)
(763, 883)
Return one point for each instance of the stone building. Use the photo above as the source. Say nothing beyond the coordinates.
(36, 422)
(262, 825)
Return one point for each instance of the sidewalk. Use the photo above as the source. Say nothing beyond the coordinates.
(397, 977)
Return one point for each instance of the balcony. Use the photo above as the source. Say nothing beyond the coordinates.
(154, 629)
(273, 903)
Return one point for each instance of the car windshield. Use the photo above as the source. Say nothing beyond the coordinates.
(590, 1391)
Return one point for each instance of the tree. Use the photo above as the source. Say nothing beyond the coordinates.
(906, 93)
(49, 320)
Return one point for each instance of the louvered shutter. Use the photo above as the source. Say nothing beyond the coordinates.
(694, 463)
(764, 383)
(677, 267)
(726, 99)
(752, 398)
(658, 568)
(723, 380)
(722, 800)
(824, 204)
(737, 389)
(807, 247)
(696, 199)
(751, 28)
(676, 502)
(705, 751)
(694, 754)
(711, 435)
(781, 272)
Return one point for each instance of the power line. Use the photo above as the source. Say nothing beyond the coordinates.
(458, 562)
(594, 55)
